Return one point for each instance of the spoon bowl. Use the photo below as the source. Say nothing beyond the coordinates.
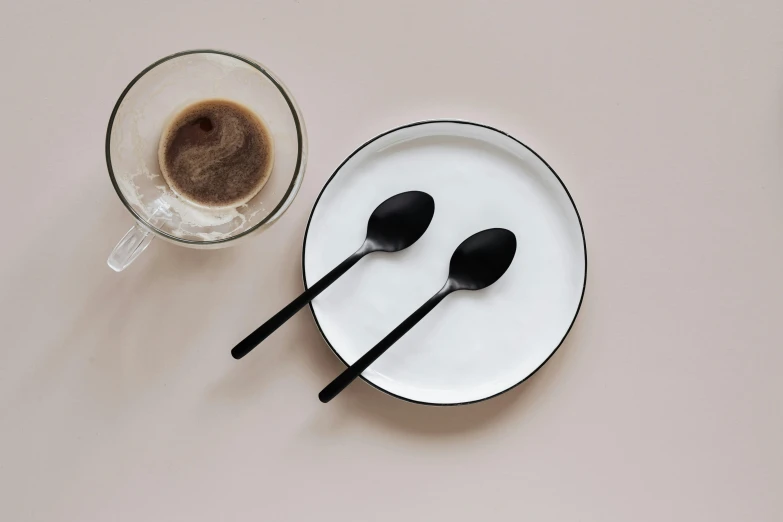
(482, 258)
(400, 221)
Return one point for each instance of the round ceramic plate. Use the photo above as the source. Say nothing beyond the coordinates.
(474, 345)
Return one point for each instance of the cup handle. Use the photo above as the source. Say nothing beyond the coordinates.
(130, 246)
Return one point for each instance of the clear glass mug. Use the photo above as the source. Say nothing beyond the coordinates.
(145, 106)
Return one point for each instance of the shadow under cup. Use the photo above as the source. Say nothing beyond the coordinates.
(159, 92)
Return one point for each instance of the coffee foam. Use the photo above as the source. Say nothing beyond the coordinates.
(216, 154)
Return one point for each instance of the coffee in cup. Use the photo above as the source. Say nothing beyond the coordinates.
(216, 153)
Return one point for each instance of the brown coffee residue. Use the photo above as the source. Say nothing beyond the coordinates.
(216, 153)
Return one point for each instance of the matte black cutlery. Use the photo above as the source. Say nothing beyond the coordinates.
(396, 224)
(477, 263)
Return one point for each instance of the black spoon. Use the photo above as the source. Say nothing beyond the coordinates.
(395, 225)
(478, 262)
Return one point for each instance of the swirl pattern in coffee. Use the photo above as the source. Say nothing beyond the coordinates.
(216, 153)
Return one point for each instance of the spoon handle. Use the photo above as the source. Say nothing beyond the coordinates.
(265, 330)
(353, 371)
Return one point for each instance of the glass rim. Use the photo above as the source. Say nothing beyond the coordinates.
(301, 137)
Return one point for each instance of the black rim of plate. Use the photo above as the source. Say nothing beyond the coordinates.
(458, 122)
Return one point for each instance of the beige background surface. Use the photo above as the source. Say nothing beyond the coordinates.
(119, 401)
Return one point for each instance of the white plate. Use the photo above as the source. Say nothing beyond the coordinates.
(474, 345)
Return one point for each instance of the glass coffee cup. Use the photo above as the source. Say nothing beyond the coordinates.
(141, 114)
